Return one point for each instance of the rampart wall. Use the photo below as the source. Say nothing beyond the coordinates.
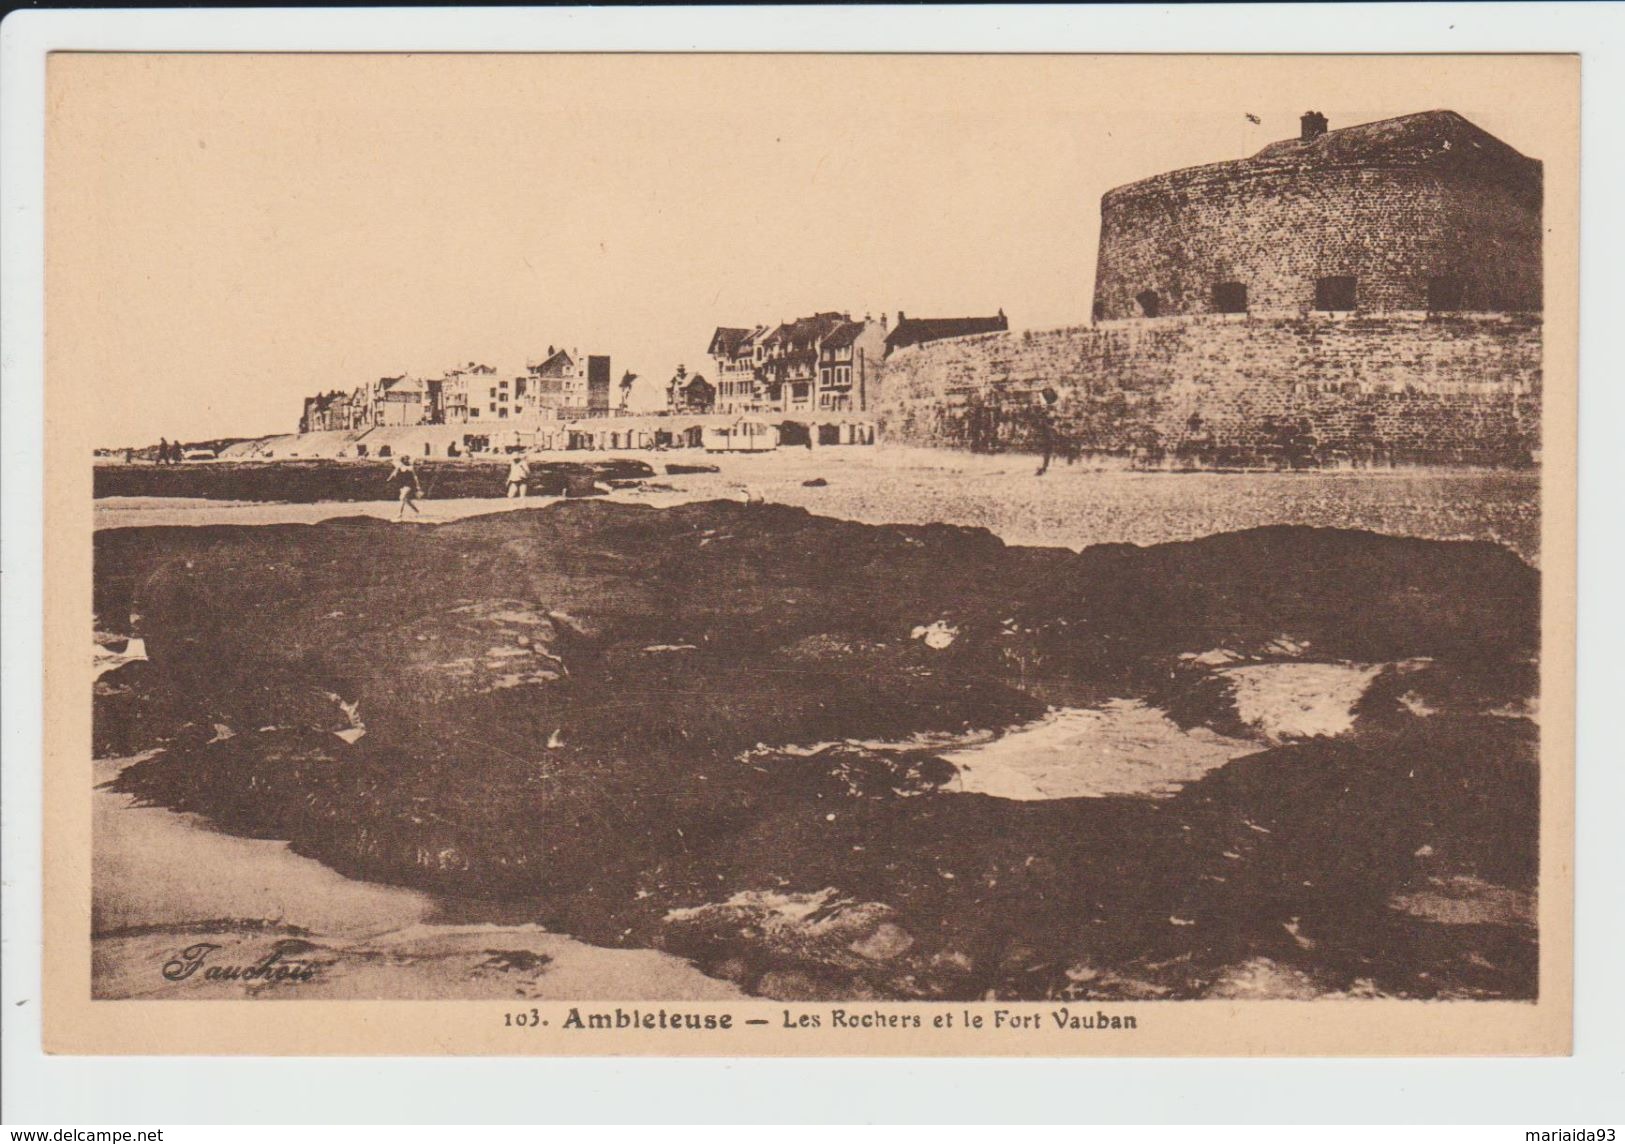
(1223, 391)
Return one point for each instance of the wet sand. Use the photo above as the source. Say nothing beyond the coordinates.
(142, 512)
(163, 882)
(1071, 506)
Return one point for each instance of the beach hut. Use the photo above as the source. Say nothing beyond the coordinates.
(743, 436)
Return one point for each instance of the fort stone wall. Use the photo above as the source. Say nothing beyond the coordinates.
(1395, 230)
(1222, 391)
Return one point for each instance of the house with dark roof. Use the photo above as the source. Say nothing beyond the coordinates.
(565, 384)
(401, 400)
(556, 381)
(790, 361)
(913, 331)
(821, 363)
(326, 411)
(358, 405)
(849, 360)
(690, 393)
(736, 351)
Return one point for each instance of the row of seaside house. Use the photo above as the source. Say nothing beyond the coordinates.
(828, 363)
(713, 432)
(562, 386)
(809, 381)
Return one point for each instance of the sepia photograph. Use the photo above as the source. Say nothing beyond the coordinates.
(806, 547)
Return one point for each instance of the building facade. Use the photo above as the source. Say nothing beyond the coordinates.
(790, 362)
(824, 363)
(849, 361)
(598, 386)
(486, 391)
(566, 384)
(459, 390)
(360, 408)
(561, 386)
(690, 393)
(325, 412)
(737, 353)
(402, 400)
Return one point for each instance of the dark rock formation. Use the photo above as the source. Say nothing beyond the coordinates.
(617, 710)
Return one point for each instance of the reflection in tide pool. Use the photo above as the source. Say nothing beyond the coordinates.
(1121, 748)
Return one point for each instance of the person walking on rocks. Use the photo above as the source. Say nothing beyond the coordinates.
(519, 477)
(405, 478)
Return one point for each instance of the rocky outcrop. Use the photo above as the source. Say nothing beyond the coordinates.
(692, 729)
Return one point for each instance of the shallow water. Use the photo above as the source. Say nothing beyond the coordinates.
(163, 882)
(107, 659)
(1299, 700)
(154, 867)
(1121, 748)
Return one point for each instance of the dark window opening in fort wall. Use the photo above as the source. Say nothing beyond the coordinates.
(1229, 298)
(1445, 295)
(1335, 293)
(1150, 304)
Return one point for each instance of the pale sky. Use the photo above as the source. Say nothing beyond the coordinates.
(229, 233)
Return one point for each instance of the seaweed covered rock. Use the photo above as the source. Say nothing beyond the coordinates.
(731, 731)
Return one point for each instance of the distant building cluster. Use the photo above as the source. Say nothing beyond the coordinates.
(826, 363)
(819, 374)
(1365, 295)
(564, 385)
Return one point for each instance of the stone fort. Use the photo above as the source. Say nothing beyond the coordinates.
(1369, 295)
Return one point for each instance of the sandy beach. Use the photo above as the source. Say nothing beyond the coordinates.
(1070, 506)
(165, 881)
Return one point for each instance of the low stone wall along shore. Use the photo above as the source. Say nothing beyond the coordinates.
(1232, 391)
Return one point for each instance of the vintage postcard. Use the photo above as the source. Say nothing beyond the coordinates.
(810, 554)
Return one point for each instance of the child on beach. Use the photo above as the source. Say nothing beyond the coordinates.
(404, 477)
(519, 477)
